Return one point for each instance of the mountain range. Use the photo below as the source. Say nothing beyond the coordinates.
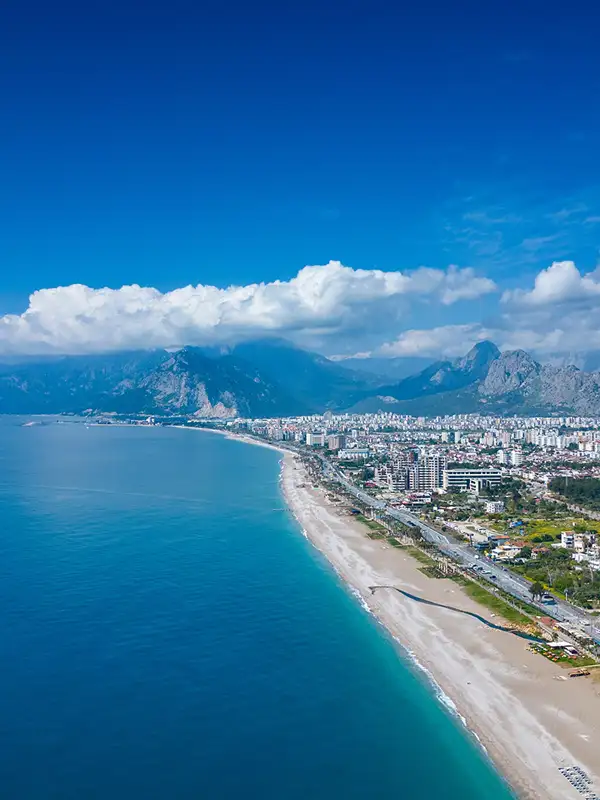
(274, 378)
(486, 380)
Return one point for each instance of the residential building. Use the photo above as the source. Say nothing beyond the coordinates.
(430, 471)
(336, 441)
(354, 454)
(567, 539)
(516, 458)
(494, 507)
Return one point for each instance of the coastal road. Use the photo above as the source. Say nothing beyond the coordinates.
(500, 576)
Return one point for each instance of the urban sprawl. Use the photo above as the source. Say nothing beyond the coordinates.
(524, 490)
(513, 502)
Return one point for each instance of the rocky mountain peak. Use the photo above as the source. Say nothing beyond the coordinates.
(483, 350)
(479, 357)
(509, 372)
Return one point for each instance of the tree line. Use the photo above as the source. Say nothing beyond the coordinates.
(581, 491)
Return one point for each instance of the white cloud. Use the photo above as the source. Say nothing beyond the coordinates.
(320, 299)
(559, 283)
(558, 316)
(447, 340)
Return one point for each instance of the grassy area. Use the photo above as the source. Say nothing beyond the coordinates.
(421, 557)
(562, 658)
(375, 529)
(539, 527)
(544, 527)
(491, 601)
(532, 611)
(432, 572)
(373, 525)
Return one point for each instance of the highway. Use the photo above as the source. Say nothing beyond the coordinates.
(463, 553)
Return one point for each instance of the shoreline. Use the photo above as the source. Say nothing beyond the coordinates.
(520, 709)
(236, 437)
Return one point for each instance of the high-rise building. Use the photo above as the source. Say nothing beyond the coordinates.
(516, 458)
(505, 438)
(336, 441)
(315, 439)
(430, 471)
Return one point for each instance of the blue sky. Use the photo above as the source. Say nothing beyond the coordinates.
(201, 143)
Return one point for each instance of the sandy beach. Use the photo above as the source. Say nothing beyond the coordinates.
(238, 437)
(531, 719)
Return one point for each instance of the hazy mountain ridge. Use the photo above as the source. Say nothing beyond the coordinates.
(263, 379)
(385, 370)
(488, 380)
(273, 378)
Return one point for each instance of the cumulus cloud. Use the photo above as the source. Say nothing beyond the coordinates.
(559, 283)
(572, 337)
(447, 340)
(558, 316)
(319, 299)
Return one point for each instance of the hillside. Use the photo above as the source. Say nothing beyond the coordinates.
(487, 380)
(262, 379)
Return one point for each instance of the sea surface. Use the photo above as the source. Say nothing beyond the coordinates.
(167, 632)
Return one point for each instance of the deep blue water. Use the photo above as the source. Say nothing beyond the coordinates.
(168, 633)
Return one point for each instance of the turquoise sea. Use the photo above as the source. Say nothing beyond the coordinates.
(167, 632)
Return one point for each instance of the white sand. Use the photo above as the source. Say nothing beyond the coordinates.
(239, 437)
(529, 718)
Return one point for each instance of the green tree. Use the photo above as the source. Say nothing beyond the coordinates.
(536, 590)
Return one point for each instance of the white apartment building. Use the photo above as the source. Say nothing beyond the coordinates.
(463, 477)
(354, 454)
(516, 458)
(567, 539)
(430, 471)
